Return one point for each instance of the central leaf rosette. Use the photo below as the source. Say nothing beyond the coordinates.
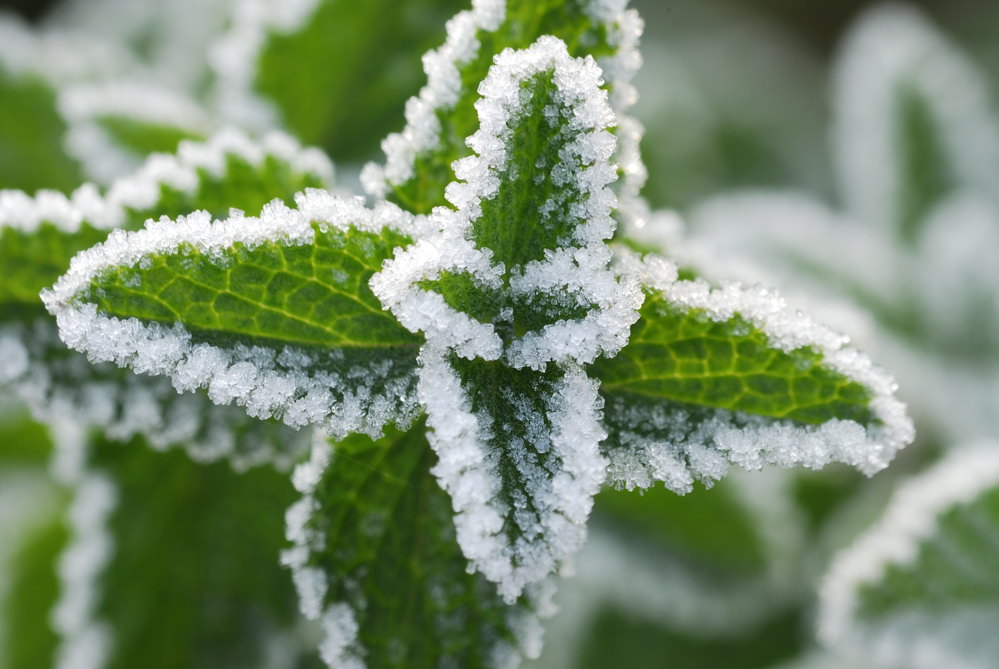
(514, 295)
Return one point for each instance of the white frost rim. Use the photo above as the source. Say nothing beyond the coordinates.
(442, 66)
(895, 539)
(141, 190)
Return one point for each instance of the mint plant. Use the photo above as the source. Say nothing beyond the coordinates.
(468, 356)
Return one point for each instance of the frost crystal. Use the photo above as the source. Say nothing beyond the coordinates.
(441, 93)
(556, 496)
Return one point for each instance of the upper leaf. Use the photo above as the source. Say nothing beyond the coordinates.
(513, 294)
(376, 562)
(419, 159)
(273, 313)
(39, 235)
(920, 589)
(712, 376)
(369, 56)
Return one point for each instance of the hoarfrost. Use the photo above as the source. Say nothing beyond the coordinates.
(141, 190)
(313, 387)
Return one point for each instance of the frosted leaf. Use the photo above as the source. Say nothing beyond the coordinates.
(508, 324)
(240, 342)
(919, 588)
(393, 521)
(713, 376)
(444, 107)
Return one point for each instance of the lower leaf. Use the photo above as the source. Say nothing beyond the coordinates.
(376, 562)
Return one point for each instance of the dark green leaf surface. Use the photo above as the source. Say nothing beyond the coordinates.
(31, 135)
(194, 579)
(391, 556)
(678, 355)
(368, 64)
(925, 175)
(526, 20)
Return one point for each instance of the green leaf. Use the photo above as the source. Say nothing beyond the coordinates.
(190, 573)
(39, 235)
(31, 132)
(376, 561)
(419, 160)
(920, 588)
(717, 375)
(370, 56)
(273, 313)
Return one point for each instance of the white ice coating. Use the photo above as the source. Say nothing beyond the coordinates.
(909, 523)
(58, 386)
(892, 49)
(442, 66)
(84, 106)
(141, 190)
(293, 384)
(235, 55)
(85, 641)
(693, 447)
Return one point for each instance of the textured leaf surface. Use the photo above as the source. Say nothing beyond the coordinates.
(920, 589)
(220, 598)
(376, 561)
(273, 313)
(711, 376)
(39, 235)
(418, 166)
